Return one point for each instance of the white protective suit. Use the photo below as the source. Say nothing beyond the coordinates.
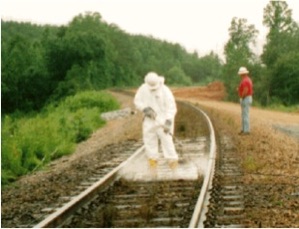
(163, 103)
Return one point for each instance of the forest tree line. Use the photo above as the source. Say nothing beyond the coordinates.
(43, 64)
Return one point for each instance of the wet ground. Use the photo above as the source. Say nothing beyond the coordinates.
(192, 164)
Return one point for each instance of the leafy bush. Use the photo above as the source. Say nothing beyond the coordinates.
(90, 99)
(30, 142)
(176, 76)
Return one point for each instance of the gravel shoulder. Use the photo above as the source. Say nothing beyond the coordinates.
(270, 161)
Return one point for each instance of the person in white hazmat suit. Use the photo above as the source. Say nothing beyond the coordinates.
(157, 103)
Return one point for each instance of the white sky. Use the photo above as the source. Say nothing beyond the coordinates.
(200, 25)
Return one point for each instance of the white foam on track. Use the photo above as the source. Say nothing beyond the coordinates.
(190, 167)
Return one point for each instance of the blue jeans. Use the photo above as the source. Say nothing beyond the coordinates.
(245, 104)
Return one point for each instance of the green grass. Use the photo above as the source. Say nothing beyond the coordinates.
(250, 164)
(30, 142)
(283, 108)
(278, 107)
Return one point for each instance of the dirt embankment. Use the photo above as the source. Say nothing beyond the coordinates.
(213, 91)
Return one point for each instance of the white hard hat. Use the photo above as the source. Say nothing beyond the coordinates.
(152, 80)
(243, 71)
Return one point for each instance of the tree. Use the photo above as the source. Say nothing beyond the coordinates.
(176, 76)
(278, 18)
(237, 49)
(285, 85)
(280, 53)
(204, 69)
(25, 82)
(238, 52)
(41, 64)
(77, 56)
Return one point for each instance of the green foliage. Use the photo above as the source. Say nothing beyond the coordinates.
(250, 165)
(258, 74)
(42, 64)
(238, 53)
(278, 17)
(278, 106)
(284, 83)
(280, 54)
(23, 72)
(204, 71)
(176, 76)
(90, 99)
(275, 79)
(23, 75)
(31, 141)
(237, 49)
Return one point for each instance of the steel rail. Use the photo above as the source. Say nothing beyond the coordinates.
(200, 209)
(57, 218)
(199, 212)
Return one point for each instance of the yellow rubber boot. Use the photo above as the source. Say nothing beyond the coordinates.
(173, 164)
(153, 163)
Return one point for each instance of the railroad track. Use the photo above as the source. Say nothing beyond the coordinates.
(196, 194)
(226, 206)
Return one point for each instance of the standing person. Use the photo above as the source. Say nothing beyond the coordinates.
(157, 103)
(245, 92)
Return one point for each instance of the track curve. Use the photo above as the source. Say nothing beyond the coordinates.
(175, 201)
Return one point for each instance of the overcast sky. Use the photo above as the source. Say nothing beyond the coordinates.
(195, 24)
